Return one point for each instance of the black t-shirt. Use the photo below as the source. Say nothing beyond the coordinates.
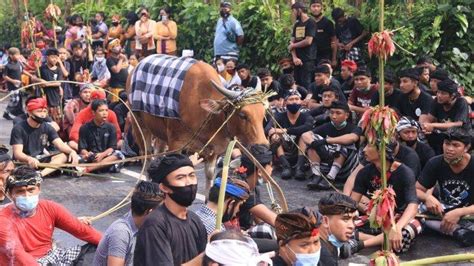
(410, 158)
(13, 70)
(351, 29)
(328, 130)
(97, 138)
(251, 82)
(425, 153)
(245, 217)
(301, 90)
(458, 112)
(301, 30)
(53, 95)
(329, 254)
(402, 180)
(34, 140)
(164, 239)
(276, 87)
(347, 86)
(320, 115)
(121, 111)
(456, 190)
(420, 106)
(117, 80)
(303, 123)
(278, 261)
(318, 94)
(77, 65)
(391, 100)
(324, 32)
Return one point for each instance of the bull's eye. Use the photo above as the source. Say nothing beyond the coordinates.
(242, 115)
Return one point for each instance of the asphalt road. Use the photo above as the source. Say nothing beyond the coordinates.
(90, 196)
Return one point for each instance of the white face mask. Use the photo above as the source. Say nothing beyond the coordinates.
(164, 18)
(100, 59)
(220, 68)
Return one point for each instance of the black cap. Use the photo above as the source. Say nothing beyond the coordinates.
(459, 134)
(298, 5)
(439, 74)
(362, 72)
(448, 86)
(322, 69)
(412, 73)
(162, 166)
(52, 51)
(390, 77)
(340, 105)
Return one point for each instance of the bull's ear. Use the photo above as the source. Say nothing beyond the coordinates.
(212, 106)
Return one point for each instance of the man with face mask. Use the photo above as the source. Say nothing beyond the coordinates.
(298, 234)
(117, 64)
(28, 224)
(229, 34)
(285, 135)
(172, 235)
(361, 95)
(74, 106)
(336, 232)
(30, 138)
(236, 193)
(408, 131)
(452, 170)
(327, 154)
(100, 74)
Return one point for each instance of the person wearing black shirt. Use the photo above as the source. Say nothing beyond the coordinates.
(298, 234)
(303, 44)
(321, 114)
(98, 139)
(79, 66)
(322, 77)
(349, 33)
(335, 155)
(413, 102)
(453, 172)
(326, 41)
(402, 180)
(118, 67)
(171, 234)
(408, 130)
(361, 94)
(285, 135)
(52, 72)
(247, 80)
(435, 77)
(447, 111)
(339, 213)
(392, 95)
(346, 78)
(268, 84)
(30, 138)
(288, 84)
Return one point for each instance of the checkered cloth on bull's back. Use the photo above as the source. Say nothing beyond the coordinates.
(156, 84)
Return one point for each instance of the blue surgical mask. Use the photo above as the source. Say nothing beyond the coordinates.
(334, 241)
(342, 125)
(26, 204)
(306, 259)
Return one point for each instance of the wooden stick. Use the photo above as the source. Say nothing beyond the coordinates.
(441, 259)
(225, 175)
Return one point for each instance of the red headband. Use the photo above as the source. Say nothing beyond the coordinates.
(98, 95)
(38, 103)
(350, 64)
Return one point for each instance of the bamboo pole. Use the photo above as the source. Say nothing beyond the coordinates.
(440, 259)
(225, 175)
(54, 30)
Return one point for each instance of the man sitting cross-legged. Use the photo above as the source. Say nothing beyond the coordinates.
(322, 148)
(98, 139)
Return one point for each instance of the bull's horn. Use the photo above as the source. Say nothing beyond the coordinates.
(227, 93)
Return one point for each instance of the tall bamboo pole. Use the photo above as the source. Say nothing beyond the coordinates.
(386, 244)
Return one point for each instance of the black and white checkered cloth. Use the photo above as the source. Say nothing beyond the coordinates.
(60, 256)
(156, 84)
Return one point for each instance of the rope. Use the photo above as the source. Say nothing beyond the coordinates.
(302, 152)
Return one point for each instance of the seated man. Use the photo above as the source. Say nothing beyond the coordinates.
(100, 74)
(413, 102)
(288, 84)
(339, 213)
(30, 138)
(98, 140)
(298, 234)
(236, 193)
(453, 172)
(23, 117)
(29, 222)
(346, 77)
(268, 84)
(408, 131)
(436, 77)
(117, 245)
(402, 180)
(447, 111)
(362, 93)
(338, 156)
(247, 80)
(321, 114)
(322, 78)
(74, 106)
(285, 132)
(86, 115)
(392, 94)
(6, 167)
(171, 234)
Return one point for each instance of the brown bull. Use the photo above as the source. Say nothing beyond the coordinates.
(200, 97)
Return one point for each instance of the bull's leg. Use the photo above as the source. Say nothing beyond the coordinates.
(209, 170)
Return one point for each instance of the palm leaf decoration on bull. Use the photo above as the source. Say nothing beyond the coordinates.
(246, 96)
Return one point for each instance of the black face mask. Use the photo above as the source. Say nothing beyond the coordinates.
(410, 143)
(224, 14)
(115, 23)
(38, 119)
(184, 196)
(229, 214)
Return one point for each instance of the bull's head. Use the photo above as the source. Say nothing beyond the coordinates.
(246, 122)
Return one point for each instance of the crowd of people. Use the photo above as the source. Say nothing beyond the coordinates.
(324, 89)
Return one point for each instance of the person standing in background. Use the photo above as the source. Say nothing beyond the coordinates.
(166, 33)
